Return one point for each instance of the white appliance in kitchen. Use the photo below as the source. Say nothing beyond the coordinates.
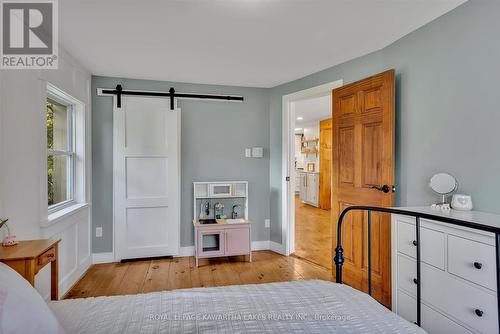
(309, 188)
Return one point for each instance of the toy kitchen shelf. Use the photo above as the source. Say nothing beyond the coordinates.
(220, 219)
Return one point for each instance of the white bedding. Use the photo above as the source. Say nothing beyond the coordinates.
(299, 306)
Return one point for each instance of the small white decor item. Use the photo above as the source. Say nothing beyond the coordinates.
(461, 202)
(441, 207)
(443, 184)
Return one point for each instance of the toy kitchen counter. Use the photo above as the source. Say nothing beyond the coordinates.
(222, 237)
(220, 219)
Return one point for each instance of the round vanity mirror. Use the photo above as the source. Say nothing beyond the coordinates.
(443, 184)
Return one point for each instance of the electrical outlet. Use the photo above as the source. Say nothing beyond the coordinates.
(98, 232)
(267, 223)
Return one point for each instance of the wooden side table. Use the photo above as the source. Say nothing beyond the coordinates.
(29, 256)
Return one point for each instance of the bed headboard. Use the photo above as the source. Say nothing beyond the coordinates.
(339, 257)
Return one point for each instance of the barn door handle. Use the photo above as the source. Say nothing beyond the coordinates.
(385, 188)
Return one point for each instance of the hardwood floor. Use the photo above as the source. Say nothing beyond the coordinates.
(313, 234)
(168, 274)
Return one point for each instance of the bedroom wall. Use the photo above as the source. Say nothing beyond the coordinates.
(23, 174)
(446, 107)
(214, 136)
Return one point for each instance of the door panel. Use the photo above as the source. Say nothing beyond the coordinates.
(363, 157)
(143, 224)
(347, 105)
(146, 178)
(345, 151)
(372, 154)
(144, 129)
(372, 99)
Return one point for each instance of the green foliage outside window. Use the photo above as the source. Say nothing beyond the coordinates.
(50, 158)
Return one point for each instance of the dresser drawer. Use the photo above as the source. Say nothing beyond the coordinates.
(460, 299)
(432, 248)
(432, 321)
(407, 273)
(449, 294)
(472, 260)
(45, 258)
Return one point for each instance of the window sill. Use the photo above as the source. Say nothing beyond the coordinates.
(55, 217)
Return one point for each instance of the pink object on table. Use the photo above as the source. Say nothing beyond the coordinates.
(9, 240)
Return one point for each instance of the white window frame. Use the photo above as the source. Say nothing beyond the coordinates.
(58, 96)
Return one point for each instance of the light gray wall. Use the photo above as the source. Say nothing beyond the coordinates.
(213, 138)
(447, 106)
(447, 119)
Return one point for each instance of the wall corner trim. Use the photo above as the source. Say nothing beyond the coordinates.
(277, 248)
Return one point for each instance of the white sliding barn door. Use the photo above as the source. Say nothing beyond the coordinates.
(146, 179)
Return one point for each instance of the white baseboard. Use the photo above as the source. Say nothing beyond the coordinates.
(186, 251)
(260, 245)
(256, 246)
(276, 247)
(67, 282)
(103, 258)
(189, 251)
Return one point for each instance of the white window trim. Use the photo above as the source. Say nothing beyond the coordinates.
(77, 186)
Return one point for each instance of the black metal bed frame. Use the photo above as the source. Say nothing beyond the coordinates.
(339, 258)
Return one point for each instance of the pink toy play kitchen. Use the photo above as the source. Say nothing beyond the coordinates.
(221, 225)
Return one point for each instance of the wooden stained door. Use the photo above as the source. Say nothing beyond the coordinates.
(363, 160)
(325, 164)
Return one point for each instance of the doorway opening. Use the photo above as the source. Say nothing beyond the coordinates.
(312, 173)
(306, 205)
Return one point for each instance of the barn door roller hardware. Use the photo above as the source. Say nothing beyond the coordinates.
(172, 94)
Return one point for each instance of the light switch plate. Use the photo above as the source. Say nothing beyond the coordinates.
(257, 152)
(98, 232)
(267, 223)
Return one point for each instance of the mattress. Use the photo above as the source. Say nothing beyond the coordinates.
(311, 306)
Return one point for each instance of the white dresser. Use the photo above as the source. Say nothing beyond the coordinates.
(458, 273)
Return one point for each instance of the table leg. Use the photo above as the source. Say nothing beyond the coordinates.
(54, 277)
(30, 271)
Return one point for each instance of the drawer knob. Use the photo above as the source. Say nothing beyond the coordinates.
(478, 265)
(478, 312)
(414, 242)
(415, 281)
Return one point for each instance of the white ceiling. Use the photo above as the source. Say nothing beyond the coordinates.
(259, 43)
(313, 110)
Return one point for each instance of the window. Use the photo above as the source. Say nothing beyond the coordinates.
(60, 152)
